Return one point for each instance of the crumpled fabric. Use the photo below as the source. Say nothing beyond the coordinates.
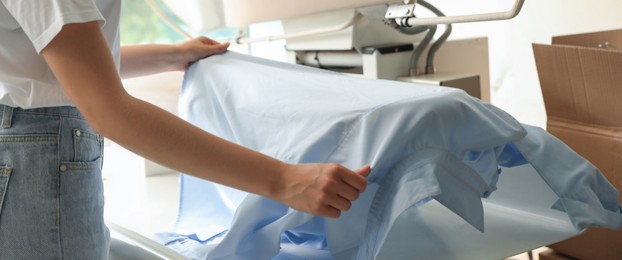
(423, 142)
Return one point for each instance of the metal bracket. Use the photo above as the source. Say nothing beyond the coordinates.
(400, 11)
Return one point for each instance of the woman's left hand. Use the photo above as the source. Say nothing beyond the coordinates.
(147, 59)
(196, 49)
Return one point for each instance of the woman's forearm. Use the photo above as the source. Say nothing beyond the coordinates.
(162, 137)
(141, 60)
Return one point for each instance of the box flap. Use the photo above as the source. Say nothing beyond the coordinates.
(581, 84)
(613, 38)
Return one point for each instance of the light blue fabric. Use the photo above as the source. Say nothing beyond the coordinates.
(579, 184)
(423, 143)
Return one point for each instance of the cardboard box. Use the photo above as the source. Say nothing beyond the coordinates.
(552, 255)
(582, 90)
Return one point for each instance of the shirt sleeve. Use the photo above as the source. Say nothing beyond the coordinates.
(41, 20)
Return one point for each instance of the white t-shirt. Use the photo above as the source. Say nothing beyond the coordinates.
(26, 27)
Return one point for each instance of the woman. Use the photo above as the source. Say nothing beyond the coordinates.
(61, 91)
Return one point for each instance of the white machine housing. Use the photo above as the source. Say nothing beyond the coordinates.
(333, 34)
(206, 15)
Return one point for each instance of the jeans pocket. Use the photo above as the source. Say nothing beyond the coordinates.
(5, 174)
(82, 228)
(81, 182)
(87, 145)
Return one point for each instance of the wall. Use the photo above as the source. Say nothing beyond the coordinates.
(514, 80)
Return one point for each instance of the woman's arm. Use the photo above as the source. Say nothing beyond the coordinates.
(81, 61)
(145, 59)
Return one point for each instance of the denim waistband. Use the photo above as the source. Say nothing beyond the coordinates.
(7, 112)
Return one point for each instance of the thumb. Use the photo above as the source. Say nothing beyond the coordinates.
(364, 170)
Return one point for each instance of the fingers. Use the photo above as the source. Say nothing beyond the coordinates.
(364, 170)
(208, 41)
(348, 192)
(339, 202)
(329, 211)
(332, 206)
(324, 189)
(354, 183)
(212, 47)
(203, 46)
(198, 48)
(357, 179)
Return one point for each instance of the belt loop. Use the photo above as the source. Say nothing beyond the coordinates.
(7, 116)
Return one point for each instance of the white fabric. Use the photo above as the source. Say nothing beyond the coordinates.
(28, 26)
(424, 143)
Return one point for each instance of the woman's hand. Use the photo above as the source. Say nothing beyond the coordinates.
(146, 59)
(198, 48)
(322, 189)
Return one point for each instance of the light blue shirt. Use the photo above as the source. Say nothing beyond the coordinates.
(424, 143)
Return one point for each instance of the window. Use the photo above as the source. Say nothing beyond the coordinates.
(141, 24)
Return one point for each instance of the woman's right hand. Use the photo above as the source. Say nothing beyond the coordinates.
(321, 189)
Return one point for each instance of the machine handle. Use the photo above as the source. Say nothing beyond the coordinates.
(518, 4)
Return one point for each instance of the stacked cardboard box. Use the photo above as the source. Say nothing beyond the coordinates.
(581, 80)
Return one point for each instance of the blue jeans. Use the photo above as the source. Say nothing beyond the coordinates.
(51, 191)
